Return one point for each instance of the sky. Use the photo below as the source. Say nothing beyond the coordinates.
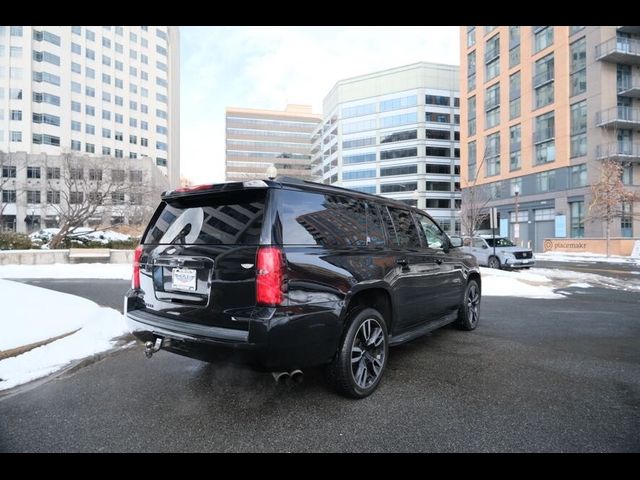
(269, 67)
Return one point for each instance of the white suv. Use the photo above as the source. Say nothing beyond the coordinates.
(505, 254)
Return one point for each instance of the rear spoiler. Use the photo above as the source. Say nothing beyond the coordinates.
(217, 188)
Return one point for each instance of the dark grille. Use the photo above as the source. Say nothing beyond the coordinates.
(520, 255)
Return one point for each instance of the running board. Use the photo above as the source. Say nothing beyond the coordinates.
(423, 329)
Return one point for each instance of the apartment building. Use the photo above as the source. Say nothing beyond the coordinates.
(395, 133)
(542, 107)
(257, 139)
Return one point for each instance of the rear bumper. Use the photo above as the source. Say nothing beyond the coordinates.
(283, 338)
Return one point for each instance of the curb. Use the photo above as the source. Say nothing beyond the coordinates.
(14, 352)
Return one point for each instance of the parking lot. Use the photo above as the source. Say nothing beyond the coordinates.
(537, 375)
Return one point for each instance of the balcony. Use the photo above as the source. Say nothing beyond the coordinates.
(619, 117)
(629, 88)
(619, 50)
(543, 135)
(630, 30)
(491, 54)
(619, 151)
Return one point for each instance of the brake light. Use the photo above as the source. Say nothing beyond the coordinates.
(194, 188)
(269, 276)
(135, 280)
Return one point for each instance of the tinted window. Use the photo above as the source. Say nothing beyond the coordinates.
(435, 236)
(234, 219)
(478, 243)
(317, 219)
(375, 227)
(405, 228)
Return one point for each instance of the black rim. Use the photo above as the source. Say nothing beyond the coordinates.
(367, 353)
(473, 304)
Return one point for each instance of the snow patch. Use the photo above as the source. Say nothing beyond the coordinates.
(580, 285)
(117, 271)
(515, 284)
(584, 257)
(31, 314)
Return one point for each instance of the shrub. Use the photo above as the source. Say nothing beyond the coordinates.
(14, 241)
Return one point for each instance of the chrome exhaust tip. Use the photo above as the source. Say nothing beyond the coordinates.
(280, 377)
(297, 376)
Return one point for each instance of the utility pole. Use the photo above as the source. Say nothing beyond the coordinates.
(516, 225)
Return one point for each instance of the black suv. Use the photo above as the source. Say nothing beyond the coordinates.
(288, 274)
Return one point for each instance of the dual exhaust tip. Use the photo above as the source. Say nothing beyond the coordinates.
(288, 378)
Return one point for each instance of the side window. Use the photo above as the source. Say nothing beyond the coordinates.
(405, 228)
(435, 236)
(374, 227)
(317, 219)
(388, 225)
(478, 243)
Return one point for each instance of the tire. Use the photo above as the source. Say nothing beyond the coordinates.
(494, 262)
(469, 312)
(360, 378)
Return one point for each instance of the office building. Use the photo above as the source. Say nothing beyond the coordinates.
(257, 139)
(94, 90)
(542, 107)
(395, 133)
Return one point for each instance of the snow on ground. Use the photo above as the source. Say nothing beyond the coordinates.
(544, 282)
(516, 284)
(102, 236)
(584, 257)
(31, 314)
(118, 271)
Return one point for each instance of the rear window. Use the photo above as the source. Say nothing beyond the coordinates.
(225, 219)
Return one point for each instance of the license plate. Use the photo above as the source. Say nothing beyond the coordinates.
(526, 261)
(183, 279)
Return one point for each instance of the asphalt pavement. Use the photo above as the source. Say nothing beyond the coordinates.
(536, 376)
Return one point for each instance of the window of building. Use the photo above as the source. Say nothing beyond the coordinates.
(76, 198)
(75, 145)
(574, 29)
(395, 103)
(544, 138)
(471, 116)
(627, 174)
(390, 137)
(90, 148)
(33, 172)
(543, 81)
(578, 176)
(578, 67)
(545, 181)
(9, 171)
(399, 170)
(16, 115)
(579, 129)
(395, 120)
(514, 46)
(8, 196)
(53, 197)
(626, 220)
(514, 95)
(472, 151)
(577, 219)
(437, 100)
(106, 151)
(515, 142)
(437, 203)
(542, 38)
(492, 105)
(358, 174)
(471, 36)
(398, 187)
(16, 136)
(399, 153)
(437, 117)
(437, 151)
(33, 196)
(493, 155)
(438, 134)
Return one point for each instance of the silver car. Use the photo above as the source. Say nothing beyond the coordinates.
(505, 255)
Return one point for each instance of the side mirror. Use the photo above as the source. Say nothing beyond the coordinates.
(455, 242)
(485, 247)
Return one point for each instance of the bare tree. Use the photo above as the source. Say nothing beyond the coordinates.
(87, 190)
(475, 198)
(609, 195)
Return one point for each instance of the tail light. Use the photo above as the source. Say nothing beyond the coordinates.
(135, 280)
(269, 276)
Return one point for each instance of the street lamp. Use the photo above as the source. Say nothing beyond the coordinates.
(516, 225)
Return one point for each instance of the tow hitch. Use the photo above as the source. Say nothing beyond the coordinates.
(150, 348)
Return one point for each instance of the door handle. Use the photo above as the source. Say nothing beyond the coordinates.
(402, 261)
(439, 261)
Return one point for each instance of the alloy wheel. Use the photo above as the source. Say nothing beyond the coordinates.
(367, 353)
(473, 304)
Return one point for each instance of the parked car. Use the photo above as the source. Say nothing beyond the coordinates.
(287, 274)
(506, 254)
